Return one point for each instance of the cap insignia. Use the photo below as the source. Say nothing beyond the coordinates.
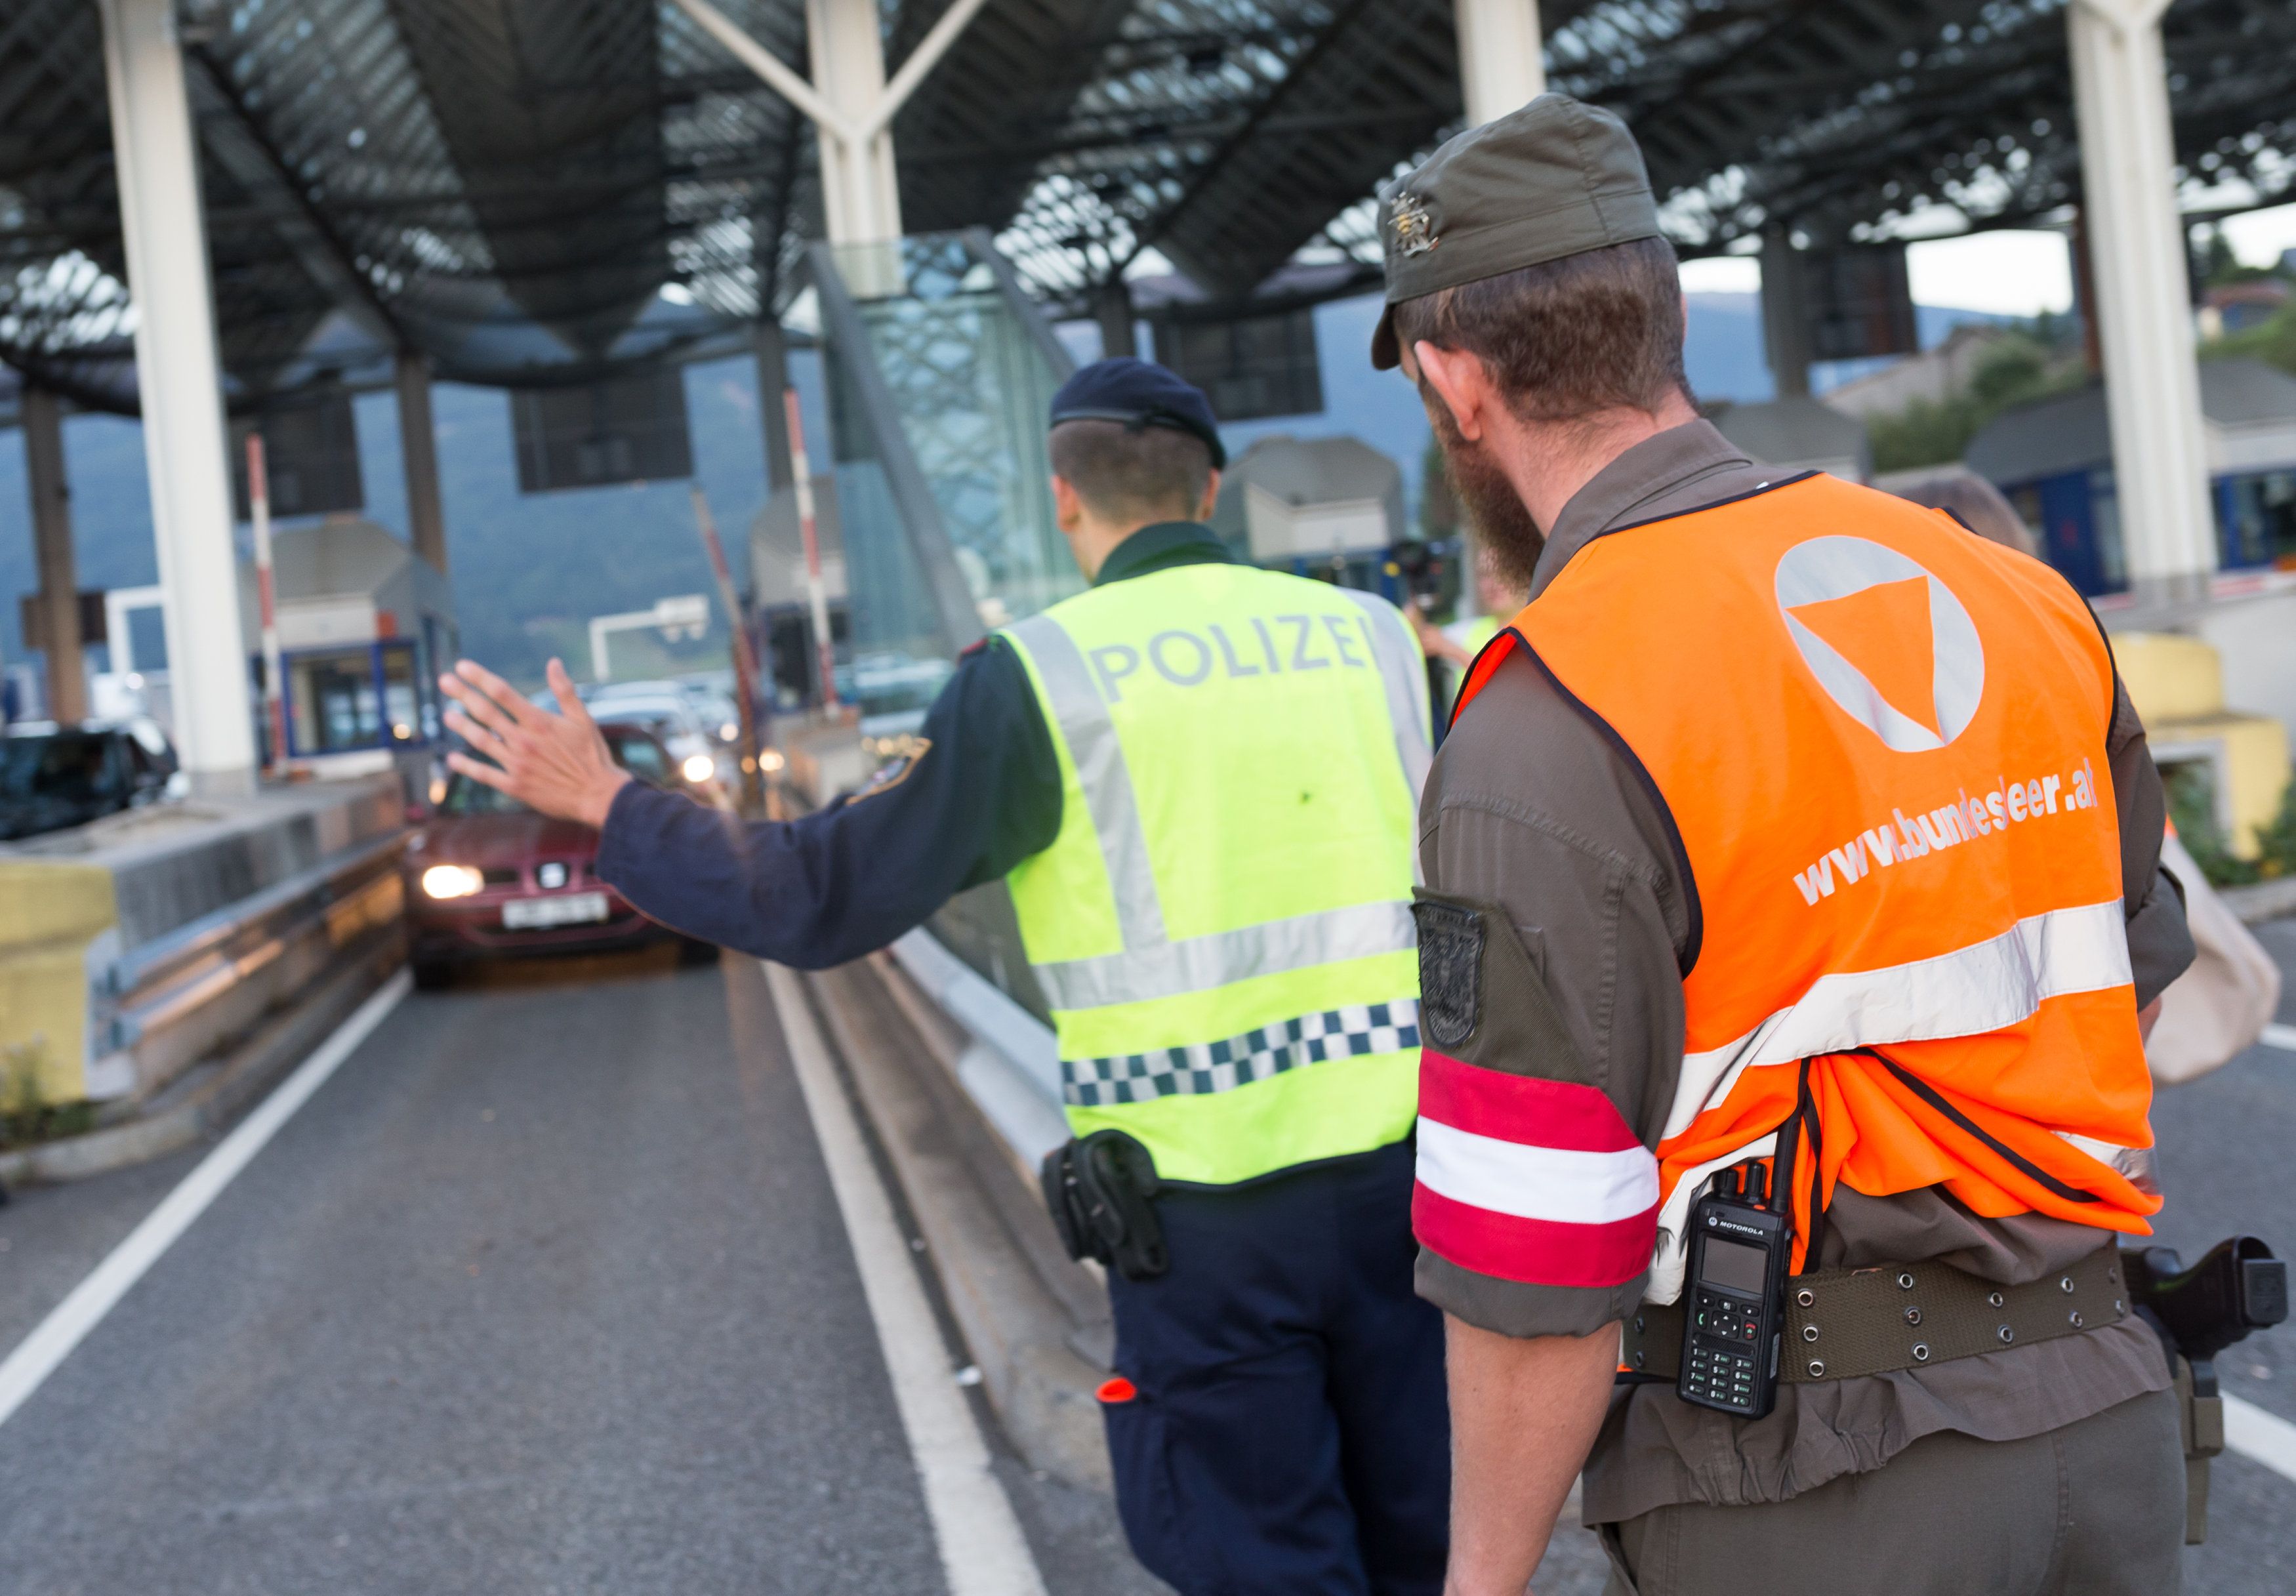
(1415, 230)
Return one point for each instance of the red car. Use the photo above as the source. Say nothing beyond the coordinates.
(487, 877)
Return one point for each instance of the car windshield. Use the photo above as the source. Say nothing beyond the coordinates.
(639, 755)
(62, 765)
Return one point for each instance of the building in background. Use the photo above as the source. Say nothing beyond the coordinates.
(2054, 458)
(1934, 376)
(2232, 307)
(1800, 434)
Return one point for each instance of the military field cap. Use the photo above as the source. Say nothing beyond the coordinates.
(1139, 394)
(1557, 178)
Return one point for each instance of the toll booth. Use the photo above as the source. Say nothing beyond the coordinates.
(365, 625)
(1325, 507)
(778, 580)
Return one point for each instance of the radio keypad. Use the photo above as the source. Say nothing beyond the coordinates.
(1722, 1376)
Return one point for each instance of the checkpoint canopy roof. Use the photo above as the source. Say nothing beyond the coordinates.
(531, 192)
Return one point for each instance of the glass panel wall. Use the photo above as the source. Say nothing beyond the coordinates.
(967, 386)
(939, 423)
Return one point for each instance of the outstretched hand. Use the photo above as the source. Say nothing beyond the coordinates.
(558, 764)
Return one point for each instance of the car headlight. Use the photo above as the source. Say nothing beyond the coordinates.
(698, 768)
(451, 881)
(730, 730)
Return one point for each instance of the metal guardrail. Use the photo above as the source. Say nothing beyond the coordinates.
(159, 1007)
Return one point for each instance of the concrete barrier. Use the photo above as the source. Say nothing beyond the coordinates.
(1036, 1323)
(133, 948)
(59, 936)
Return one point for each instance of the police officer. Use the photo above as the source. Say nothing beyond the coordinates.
(1199, 781)
(1788, 826)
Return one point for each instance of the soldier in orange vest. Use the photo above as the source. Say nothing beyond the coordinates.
(1793, 875)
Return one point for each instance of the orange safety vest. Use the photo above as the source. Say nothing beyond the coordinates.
(1881, 742)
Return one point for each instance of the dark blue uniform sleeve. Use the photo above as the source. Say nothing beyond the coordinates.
(983, 794)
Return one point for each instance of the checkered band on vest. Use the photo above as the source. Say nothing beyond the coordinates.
(1353, 1032)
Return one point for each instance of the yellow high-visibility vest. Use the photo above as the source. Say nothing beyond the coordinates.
(1223, 923)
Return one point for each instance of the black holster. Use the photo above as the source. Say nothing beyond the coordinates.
(1099, 1189)
(2238, 1287)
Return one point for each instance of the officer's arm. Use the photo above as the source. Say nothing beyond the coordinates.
(1523, 1415)
(983, 793)
(2160, 942)
(1576, 1031)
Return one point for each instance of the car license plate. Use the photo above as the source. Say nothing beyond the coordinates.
(533, 913)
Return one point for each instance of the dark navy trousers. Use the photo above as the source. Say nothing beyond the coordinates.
(1289, 1436)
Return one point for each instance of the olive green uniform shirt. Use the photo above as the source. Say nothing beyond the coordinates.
(1529, 808)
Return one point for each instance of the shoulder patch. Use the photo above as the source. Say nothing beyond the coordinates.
(897, 771)
(1450, 970)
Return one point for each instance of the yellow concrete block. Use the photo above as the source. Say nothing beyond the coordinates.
(2252, 764)
(49, 913)
(2169, 678)
(43, 900)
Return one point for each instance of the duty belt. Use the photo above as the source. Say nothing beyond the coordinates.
(1844, 1323)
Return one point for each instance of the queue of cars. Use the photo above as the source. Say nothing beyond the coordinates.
(485, 876)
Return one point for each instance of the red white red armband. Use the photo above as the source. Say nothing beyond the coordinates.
(1530, 1180)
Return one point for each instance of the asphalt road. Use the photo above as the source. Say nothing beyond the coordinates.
(545, 1291)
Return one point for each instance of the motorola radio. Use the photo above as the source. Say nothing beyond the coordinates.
(1734, 1300)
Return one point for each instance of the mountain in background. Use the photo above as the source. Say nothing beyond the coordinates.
(530, 570)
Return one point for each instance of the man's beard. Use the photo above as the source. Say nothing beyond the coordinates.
(1494, 511)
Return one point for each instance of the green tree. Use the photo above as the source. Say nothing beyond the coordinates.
(2017, 368)
(2274, 342)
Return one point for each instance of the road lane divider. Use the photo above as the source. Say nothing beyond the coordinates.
(983, 1551)
(2261, 1438)
(52, 1340)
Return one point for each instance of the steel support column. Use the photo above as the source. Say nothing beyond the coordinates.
(1112, 309)
(418, 453)
(860, 190)
(1785, 316)
(180, 384)
(772, 345)
(2142, 305)
(52, 544)
(1502, 56)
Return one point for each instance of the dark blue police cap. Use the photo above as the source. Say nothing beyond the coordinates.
(1139, 395)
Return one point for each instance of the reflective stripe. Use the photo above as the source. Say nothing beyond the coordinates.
(1561, 1184)
(1987, 987)
(1356, 1031)
(1538, 1252)
(1107, 781)
(1402, 667)
(2132, 1164)
(1200, 963)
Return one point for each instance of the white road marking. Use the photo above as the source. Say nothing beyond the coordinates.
(2282, 1036)
(982, 1550)
(2265, 1437)
(38, 1355)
